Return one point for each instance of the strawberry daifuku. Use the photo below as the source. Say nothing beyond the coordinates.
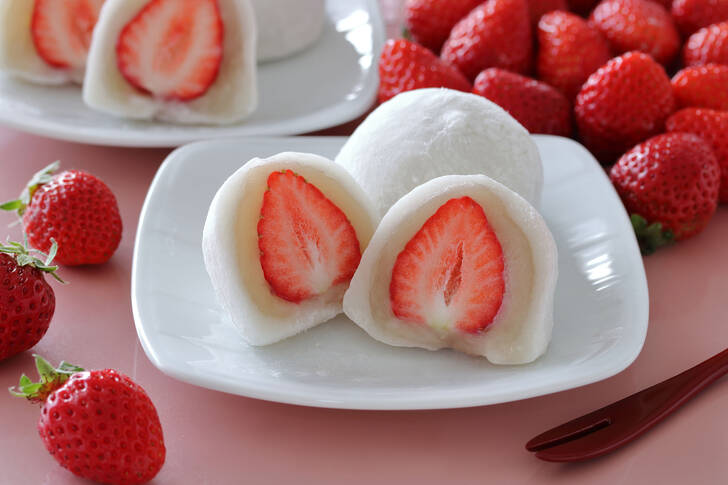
(460, 262)
(47, 41)
(427, 133)
(287, 26)
(185, 61)
(281, 242)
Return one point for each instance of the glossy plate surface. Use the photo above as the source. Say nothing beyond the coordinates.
(601, 307)
(331, 83)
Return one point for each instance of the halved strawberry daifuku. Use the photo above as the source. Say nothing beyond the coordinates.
(450, 274)
(282, 240)
(307, 244)
(61, 30)
(459, 262)
(172, 48)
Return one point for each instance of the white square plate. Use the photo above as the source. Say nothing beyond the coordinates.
(332, 82)
(601, 305)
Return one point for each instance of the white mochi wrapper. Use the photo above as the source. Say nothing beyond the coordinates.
(426, 133)
(18, 55)
(286, 27)
(231, 98)
(521, 330)
(232, 256)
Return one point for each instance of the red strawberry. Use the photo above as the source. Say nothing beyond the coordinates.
(707, 45)
(536, 105)
(74, 208)
(702, 86)
(27, 301)
(495, 34)
(670, 181)
(61, 30)
(172, 49)
(569, 51)
(637, 25)
(537, 8)
(404, 66)
(711, 126)
(691, 15)
(99, 425)
(450, 274)
(430, 21)
(307, 245)
(625, 102)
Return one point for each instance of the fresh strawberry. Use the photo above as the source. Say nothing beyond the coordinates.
(99, 425)
(711, 126)
(707, 45)
(404, 66)
(625, 102)
(172, 49)
(74, 208)
(637, 25)
(429, 22)
(570, 50)
(450, 274)
(536, 105)
(702, 86)
(27, 301)
(691, 15)
(537, 8)
(307, 245)
(495, 34)
(669, 184)
(61, 30)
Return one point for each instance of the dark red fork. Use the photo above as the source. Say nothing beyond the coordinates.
(606, 429)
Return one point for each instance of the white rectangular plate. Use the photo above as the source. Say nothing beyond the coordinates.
(330, 83)
(601, 306)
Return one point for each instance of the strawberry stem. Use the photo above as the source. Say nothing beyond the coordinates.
(25, 256)
(40, 178)
(50, 379)
(651, 237)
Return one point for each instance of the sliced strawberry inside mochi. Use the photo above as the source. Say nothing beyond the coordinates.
(450, 274)
(172, 49)
(61, 30)
(307, 244)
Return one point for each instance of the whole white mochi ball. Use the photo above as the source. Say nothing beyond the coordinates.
(427, 133)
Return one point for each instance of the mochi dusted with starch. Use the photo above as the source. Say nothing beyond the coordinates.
(183, 61)
(460, 262)
(286, 27)
(426, 133)
(46, 41)
(282, 240)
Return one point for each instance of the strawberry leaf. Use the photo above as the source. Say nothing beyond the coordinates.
(32, 257)
(50, 379)
(650, 237)
(40, 178)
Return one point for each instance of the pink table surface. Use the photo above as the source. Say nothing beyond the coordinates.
(215, 438)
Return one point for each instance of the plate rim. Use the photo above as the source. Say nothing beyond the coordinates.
(301, 394)
(329, 117)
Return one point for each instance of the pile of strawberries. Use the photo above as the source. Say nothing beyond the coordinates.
(596, 71)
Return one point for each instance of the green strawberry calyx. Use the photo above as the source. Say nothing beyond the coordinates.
(50, 379)
(32, 257)
(40, 178)
(651, 237)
